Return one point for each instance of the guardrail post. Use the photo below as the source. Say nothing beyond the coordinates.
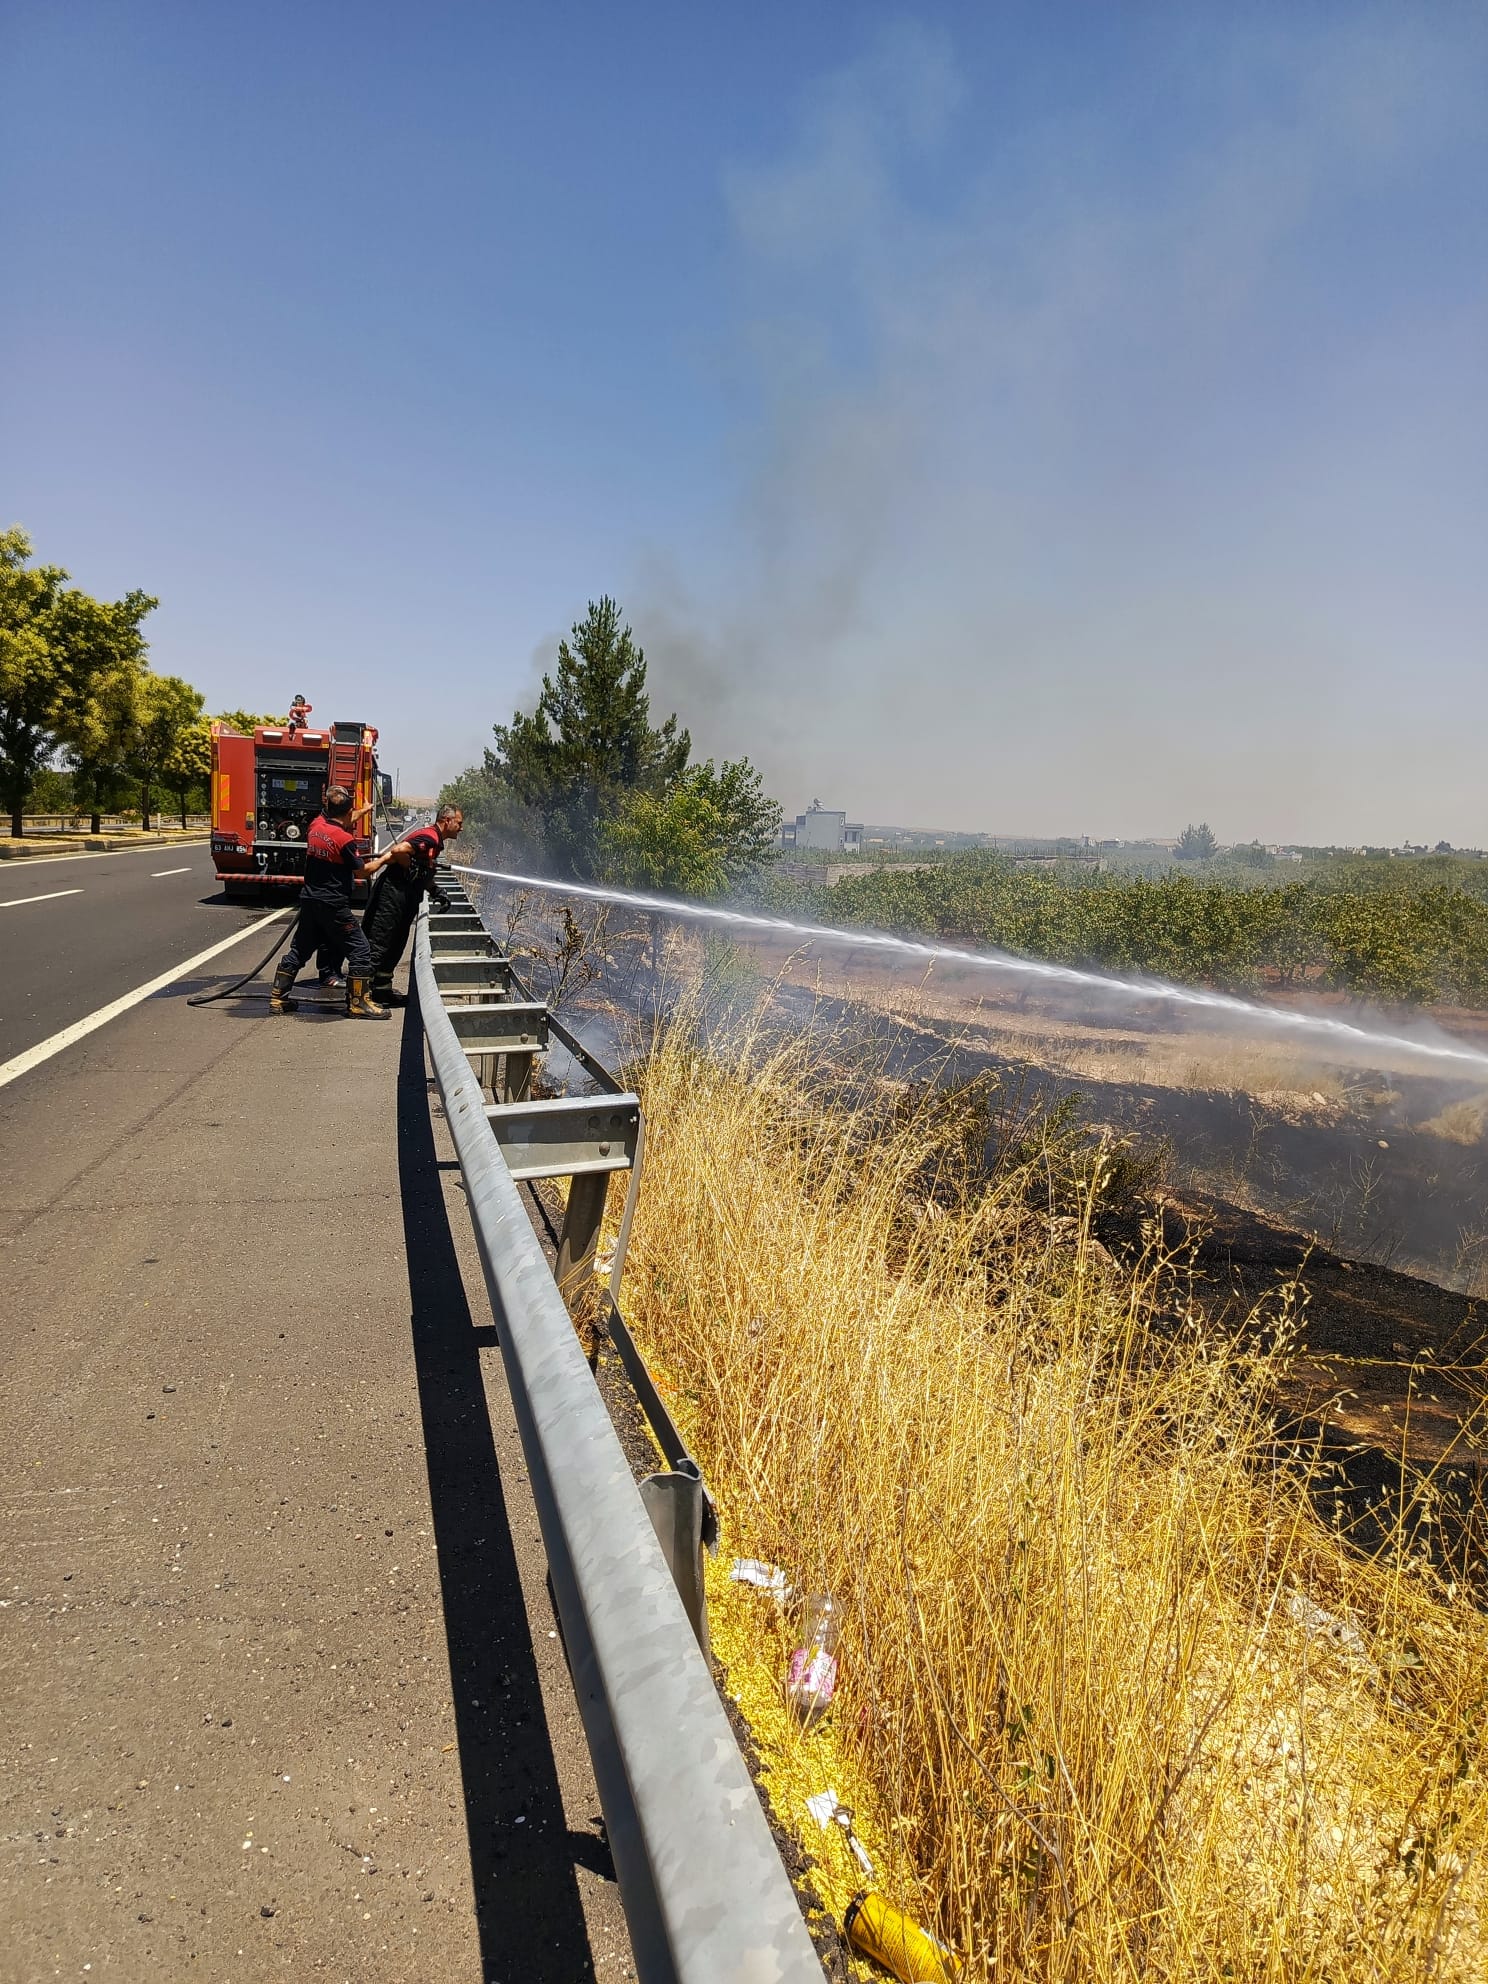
(579, 1235)
(676, 1503)
(518, 1078)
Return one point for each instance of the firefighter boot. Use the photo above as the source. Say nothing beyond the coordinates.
(279, 999)
(360, 1005)
(383, 993)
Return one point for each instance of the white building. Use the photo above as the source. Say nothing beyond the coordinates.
(824, 828)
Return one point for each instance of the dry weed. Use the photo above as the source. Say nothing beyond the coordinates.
(1115, 1703)
(1462, 1122)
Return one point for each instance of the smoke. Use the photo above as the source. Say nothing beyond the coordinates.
(1107, 447)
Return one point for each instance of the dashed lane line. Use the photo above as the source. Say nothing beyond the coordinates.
(156, 873)
(23, 1063)
(16, 902)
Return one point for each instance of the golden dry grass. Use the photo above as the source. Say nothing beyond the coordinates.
(1189, 1051)
(1464, 1122)
(1115, 1704)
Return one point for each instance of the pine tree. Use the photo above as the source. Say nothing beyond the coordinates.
(590, 743)
(1197, 843)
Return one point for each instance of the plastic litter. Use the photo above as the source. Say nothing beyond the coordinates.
(875, 1928)
(768, 1577)
(828, 1810)
(811, 1677)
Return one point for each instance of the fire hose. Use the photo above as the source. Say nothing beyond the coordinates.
(225, 991)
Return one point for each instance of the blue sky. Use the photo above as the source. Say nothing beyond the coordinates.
(1038, 418)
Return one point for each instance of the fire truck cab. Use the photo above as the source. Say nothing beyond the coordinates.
(266, 790)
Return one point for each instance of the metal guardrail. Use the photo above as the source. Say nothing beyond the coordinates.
(706, 1897)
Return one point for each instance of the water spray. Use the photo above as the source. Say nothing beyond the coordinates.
(1342, 1033)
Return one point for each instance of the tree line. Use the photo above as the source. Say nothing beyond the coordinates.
(80, 707)
(586, 786)
(1402, 943)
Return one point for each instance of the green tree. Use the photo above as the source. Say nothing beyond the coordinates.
(28, 670)
(590, 741)
(100, 656)
(1196, 843)
(749, 822)
(673, 841)
(52, 792)
(709, 831)
(1380, 947)
(169, 708)
(188, 763)
(494, 816)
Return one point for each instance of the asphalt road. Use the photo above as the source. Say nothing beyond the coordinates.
(81, 930)
(283, 1690)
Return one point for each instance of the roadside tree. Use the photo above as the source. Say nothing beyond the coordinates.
(590, 742)
(188, 764)
(52, 791)
(99, 653)
(494, 816)
(673, 841)
(28, 670)
(169, 708)
(750, 822)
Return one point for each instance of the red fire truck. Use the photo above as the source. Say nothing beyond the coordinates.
(267, 788)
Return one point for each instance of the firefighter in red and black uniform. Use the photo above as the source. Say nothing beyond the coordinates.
(332, 865)
(394, 902)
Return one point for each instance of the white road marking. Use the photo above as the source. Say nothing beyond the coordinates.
(156, 873)
(16, 901)
(45, 1049)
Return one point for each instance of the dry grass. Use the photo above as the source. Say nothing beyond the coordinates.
(1085, 1038)
(1464, 1122)
(1115, 1704)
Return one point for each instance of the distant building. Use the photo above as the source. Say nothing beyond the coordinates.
(824, 829)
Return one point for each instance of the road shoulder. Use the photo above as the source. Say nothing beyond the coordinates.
(275, 1644)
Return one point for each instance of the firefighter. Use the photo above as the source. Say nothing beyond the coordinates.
(332, 864)
(394, 901)
(299, 715)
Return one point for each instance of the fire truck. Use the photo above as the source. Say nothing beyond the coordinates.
(267, 788)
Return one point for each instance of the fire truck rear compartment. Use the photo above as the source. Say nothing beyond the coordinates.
(289, 794)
